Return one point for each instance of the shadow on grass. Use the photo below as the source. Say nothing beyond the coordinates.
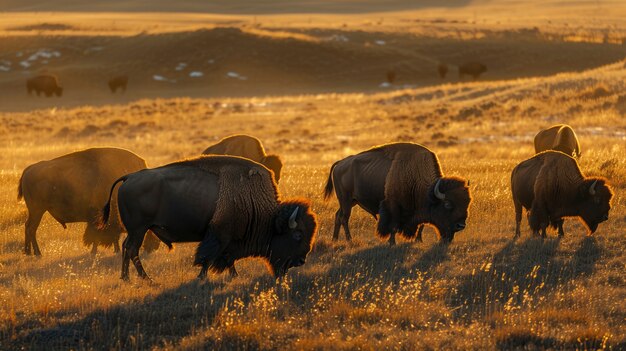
(519, 271)
(138, 324)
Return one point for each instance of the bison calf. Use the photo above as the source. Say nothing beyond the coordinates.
(249, 147)
(45, 83)
(560, 137)
(403, 184)
(229, 204)
(552, 186)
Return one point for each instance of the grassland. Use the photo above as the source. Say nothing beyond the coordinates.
(484, 291)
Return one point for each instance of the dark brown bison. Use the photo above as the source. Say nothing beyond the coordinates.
(560, 137)
(72, 188)
(45, 83)
(442, 69)
(249, 147)
(120, 82)
(551, 186)
(229, 204)
(403, 184)
(474, 69)
(391, 76)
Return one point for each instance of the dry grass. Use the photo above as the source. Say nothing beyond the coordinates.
(484, 291)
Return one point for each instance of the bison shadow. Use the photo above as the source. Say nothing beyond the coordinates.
(530, 267)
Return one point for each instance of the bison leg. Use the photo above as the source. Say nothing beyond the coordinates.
(94, 249)
(130, 251)
(419, 233)
(559, 224)
(392, 239)
(518, 217)
(30, 240)
(342, 218)
(116, 246)
(233, 272)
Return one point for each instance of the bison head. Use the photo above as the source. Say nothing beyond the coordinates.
(594, 202)
(292, 240)
(450, 200)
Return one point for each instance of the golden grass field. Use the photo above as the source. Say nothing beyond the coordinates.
(484, 291)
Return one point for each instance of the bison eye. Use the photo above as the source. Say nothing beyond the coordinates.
(447, 205)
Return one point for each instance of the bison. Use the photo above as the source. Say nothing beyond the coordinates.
(403, 184)
(474, 69)
(391, 76)
(72, 188)
(46, 83)
(442, 69)
(551, 186)
(120, 82)
(229, 204)
(249, 147)
(560, 137)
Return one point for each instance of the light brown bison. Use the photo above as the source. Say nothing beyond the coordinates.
(45, 83)
(442, 69)
(560, 137)
(230, 205)
(473, 69)
(551, 186)
(72, 188)
(249, 147)
(118, 82)
(403, 184)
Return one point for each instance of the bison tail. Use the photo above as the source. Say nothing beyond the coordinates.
(328, 189)
(20, 191)
(106, 210)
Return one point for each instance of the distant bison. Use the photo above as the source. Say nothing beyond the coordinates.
(229, 204)
(72, 188)
(442, 69)
(249, 147)
(403, 184)
(391, 76)
(560, 137)
(474, 69)
(120, 82)
(45, 83)
(552, 187)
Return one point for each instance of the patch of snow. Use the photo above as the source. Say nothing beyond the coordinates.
(338, 37)
(385, 85)
(19, 54)
(25, 64)
(162, 79)
(236, 75)
(211, 61)
(181, 66)
(380, 42)
(5, 68)
(196, 74)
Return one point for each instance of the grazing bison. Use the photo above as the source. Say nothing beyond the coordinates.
(551, 186)
(229, 204)
(474, 69)
(46, 83)
(72, 188)
(249, 147)
(404, 185)
(442, 69)
(560, 137)
(120, 82)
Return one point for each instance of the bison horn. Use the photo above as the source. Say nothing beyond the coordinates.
(592, 188)
(439, 194)
(292, 219)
